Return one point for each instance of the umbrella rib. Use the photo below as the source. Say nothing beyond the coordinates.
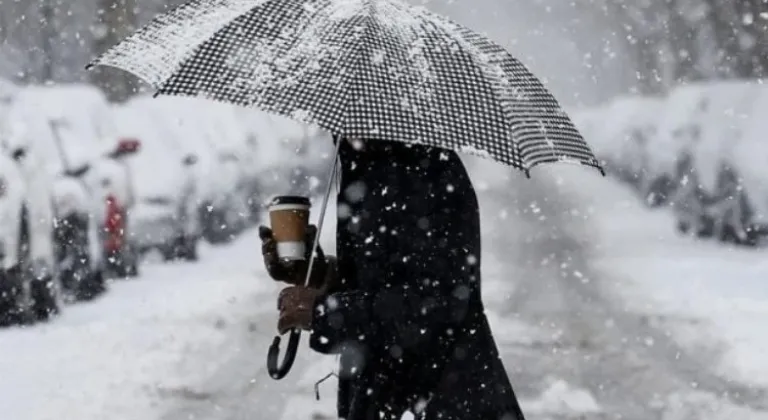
(478, 46)
(474, 51)
(366, 18)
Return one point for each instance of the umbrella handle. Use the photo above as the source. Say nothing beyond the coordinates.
(279, 372)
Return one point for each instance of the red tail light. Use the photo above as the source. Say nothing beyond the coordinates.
(114, 225)
(125, 146)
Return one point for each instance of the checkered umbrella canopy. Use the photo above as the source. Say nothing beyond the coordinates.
(358, 68)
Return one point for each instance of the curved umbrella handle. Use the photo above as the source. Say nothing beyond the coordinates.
(279, 372)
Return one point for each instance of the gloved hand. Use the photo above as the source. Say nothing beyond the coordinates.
(296, 305)
(293, 272)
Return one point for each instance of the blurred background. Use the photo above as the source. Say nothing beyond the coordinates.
(638, 296)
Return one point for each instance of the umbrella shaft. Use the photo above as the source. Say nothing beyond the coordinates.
(331, 175)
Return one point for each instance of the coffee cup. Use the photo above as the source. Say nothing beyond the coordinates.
(289, 217)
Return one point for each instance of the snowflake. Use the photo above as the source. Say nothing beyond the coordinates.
(378, 57)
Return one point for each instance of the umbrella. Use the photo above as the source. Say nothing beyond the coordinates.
(370, 69)
(358, 68)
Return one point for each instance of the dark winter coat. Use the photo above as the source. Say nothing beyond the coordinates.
(408, 319)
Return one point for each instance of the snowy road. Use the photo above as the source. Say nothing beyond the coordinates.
(632, 369)
(188, 341)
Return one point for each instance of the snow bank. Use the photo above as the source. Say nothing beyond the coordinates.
(560, 398)
(720, 127)
(712, 121)
(621, 134)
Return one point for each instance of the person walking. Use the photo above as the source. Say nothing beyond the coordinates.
(401, 302)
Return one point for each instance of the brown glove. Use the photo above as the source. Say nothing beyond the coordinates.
(293, 272)
(296, 303)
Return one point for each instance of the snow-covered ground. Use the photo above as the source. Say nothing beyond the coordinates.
(712, 298)
(591, 299)
(122, 355)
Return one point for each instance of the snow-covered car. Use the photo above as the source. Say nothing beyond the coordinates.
(724, 203)
(108, 179)
(679, 126)
(73, 155)
(120, 251)
(29, 287)
(88, 132)
(78, 254)
(224, 135)
(191, 125)
(688, 199)
(165, 215)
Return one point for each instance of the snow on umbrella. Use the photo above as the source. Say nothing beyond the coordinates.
(358, 68)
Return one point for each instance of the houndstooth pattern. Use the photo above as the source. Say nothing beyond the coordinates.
(359, 68)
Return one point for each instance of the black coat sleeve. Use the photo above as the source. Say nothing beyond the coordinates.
(427, 281)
